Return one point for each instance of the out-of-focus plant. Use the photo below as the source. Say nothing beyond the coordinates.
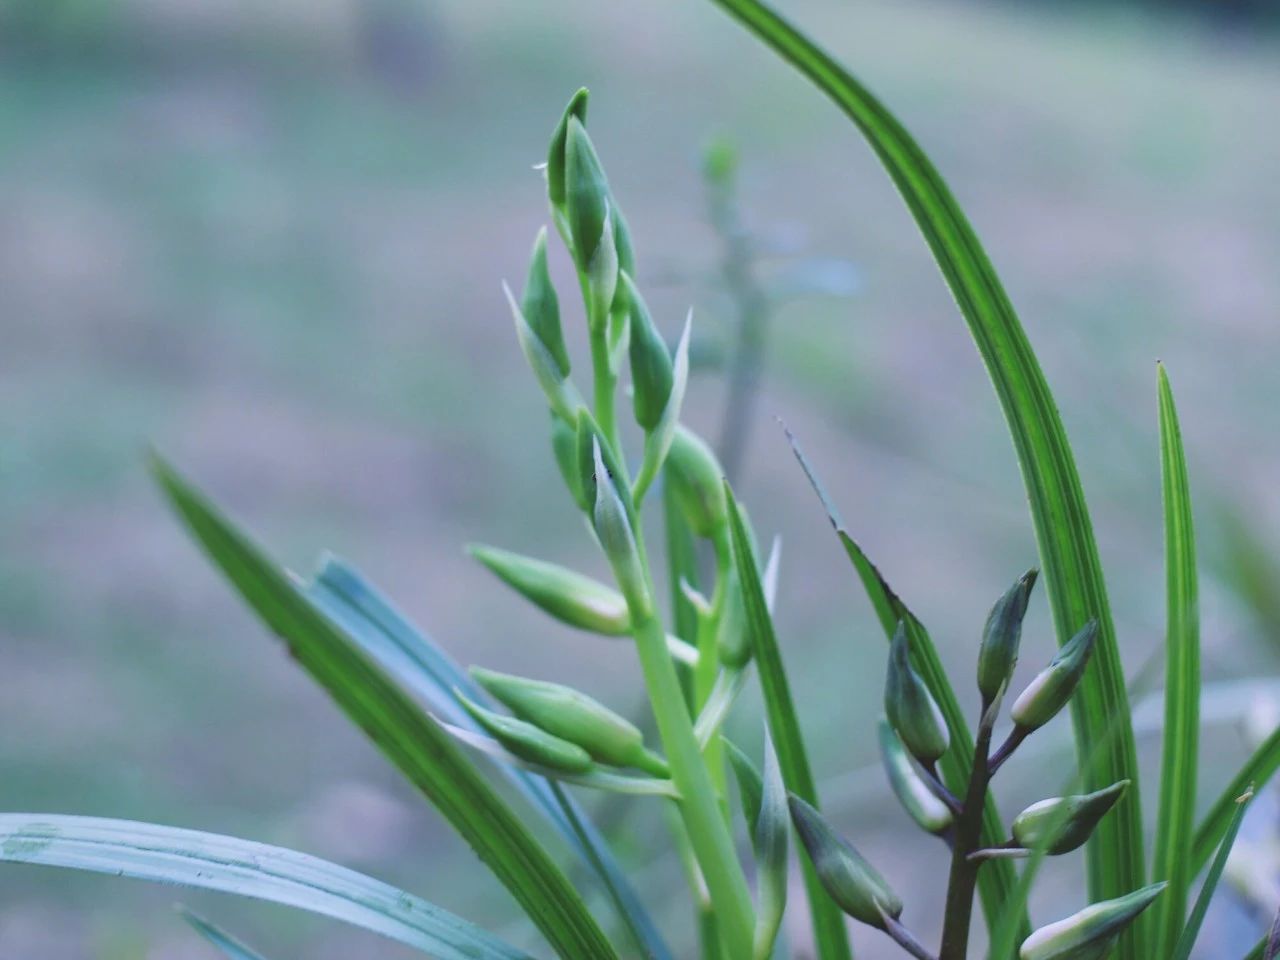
(430, 718)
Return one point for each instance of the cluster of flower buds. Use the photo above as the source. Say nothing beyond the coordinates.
(914, 735)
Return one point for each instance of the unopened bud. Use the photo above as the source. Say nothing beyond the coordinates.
(576, 108)
(541, 306)
(568, 596)
(587, 216)
(1052, 688)
(1061, 824)
(910, 782)
(697, 483)
(910, 706)
(855, 885)
(651, 374)
(613, 530)
(528, 742)
(1000, 637)
(769, 841)
(575, 717)
(1091, 933)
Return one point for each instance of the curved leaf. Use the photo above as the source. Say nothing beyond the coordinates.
(1189, 933)
(1069, 554)
(1257, 772)
(416, 743)
(1176, 821)
(830, 936)
(208, 861)
(412, 658)
(997, 879)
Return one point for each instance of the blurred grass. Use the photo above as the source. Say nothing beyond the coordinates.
(269, 239)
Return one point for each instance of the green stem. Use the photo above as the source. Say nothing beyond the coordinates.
(708, 668)
(699, 803)
(963, 880)
(605, 385)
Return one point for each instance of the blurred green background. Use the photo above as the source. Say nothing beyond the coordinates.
(268, 239)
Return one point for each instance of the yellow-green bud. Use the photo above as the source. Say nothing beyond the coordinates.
(573, 716)
(577, 108)
(568, 596)
(1052, 688)
(529, 743)
(855, 885)
(613, 530)
(1091, 933)
(998, 654)
(910, 706)
(910, 783)
(651, 374)
(697, 483)
(564, 445)
(541, 306)
(1061, 824)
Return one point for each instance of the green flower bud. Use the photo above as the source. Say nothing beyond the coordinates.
(651, 374)
(855, 885)
(587, 206)
(577, 108)
(573, 716)
(568, 596)
(769, 841)
(910, 782)
(1053, 686)
(551, 377)
(697, 483)
(1000, 637)
(528, 742)
(613, 530)
(1061, 824)
(1091, 933)
(910, 706)
(564, 445)
(541, 307)
(588, 436)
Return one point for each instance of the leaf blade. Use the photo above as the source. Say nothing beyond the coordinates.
(1187, 940)
(210, 861)
(1175, 824)
(1257, 771)
(230, 947)
(1071, 568)
(830, 937)
(409, 737)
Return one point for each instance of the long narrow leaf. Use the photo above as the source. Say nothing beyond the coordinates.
(1069, 554)
(830, 936)
(1257, 771)
(227, 945)
(1176, 821)
(997, 879)
(413, 659)
(409, 737)
(208, 861)
(1182, 951)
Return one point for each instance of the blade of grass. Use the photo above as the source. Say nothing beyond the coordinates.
(1182, 951)
(423, 668)
(1268, 948)
(227, 945)
(1071, 568)
(1176, 819)
(1257, 771)
(208, 861)
(997, 879)
(682, 564)
(409, 737)
(830, 936)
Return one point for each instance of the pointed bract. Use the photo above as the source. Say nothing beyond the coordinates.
(528, 742)
(541, 306)
(586, 194)
(697, 483)
(651, 371)
(576, 108)
(613, 530)
(769, 840)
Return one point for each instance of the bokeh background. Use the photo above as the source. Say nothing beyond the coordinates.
(268, 238)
